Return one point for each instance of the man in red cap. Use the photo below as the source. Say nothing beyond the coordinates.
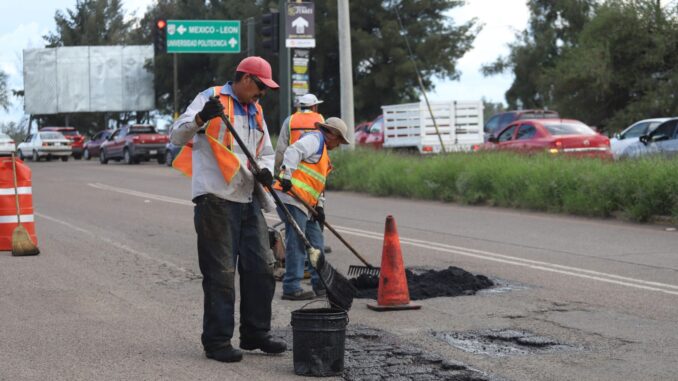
(228, 199)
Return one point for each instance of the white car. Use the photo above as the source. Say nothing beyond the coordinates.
(47, 144)
(630, 135)
(7, 145)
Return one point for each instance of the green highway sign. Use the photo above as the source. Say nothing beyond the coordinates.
(203, 36)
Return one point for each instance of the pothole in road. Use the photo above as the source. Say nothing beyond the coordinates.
(427, 283)
(375, 355)
(502, 342)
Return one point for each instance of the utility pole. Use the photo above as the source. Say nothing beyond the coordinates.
(284, 67)
(345, 67)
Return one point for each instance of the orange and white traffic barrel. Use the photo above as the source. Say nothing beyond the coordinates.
(8, 215)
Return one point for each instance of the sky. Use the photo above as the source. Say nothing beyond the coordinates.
(23, 23)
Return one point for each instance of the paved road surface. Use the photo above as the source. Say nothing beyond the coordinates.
(116, 293)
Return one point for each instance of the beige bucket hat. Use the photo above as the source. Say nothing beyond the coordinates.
(337, 125)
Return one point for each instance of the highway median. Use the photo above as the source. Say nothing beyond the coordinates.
(635, 190)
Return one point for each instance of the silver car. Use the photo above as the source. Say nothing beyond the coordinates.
(630, 135)
(662, 141)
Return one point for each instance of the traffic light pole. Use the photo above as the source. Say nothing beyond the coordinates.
(250, 37)
(284, 67)
(175, 76)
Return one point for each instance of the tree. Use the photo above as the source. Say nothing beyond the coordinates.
(623, 68)
(4, 94)
(383, 72)
(554, 25)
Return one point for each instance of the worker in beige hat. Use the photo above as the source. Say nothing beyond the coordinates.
(302, 176)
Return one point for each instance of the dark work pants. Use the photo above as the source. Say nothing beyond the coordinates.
(231, 233)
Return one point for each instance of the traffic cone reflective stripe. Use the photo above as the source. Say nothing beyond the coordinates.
(393, 293)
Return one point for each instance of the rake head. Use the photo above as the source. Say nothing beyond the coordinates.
(355, 271)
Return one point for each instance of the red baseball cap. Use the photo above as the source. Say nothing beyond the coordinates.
(260, 68)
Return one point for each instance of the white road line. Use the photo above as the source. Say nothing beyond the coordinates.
(479, 254)
(113, 243)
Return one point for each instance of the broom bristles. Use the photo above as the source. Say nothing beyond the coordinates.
(22, 244)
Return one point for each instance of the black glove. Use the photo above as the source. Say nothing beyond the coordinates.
(264, 176)
(286, 185)
(319, 216)
(211, 109)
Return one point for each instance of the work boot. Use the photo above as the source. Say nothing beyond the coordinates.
(299, 295)
(227, 354)
(265, 342)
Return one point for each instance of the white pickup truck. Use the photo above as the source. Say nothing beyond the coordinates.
(409, 126)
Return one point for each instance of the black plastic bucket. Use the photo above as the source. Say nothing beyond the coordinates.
(318, 336)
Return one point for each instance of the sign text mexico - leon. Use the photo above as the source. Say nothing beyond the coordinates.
(203, 36)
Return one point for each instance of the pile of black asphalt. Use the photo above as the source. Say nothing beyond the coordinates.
(453, 281)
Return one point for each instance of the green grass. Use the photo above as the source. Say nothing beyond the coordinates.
(635, 190)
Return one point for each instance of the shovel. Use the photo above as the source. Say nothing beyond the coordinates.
(352, 269)
(340, 291)
(22, 244)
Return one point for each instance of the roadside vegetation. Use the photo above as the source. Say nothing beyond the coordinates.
(637, 190)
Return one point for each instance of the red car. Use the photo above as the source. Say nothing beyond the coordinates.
(556, 136)
(134, 143)
(376, 136)
(77, 140)
(360, 132)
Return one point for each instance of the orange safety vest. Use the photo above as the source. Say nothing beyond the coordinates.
(220, 140)
(309, 179)
(303, 122)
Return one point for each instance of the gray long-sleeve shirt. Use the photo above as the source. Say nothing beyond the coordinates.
(207, 177)
(308, 148)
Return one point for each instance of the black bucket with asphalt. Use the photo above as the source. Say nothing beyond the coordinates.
(318, 336)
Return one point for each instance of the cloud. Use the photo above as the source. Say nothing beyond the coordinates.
(500, 20)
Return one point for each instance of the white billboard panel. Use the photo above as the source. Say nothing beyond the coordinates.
(40, 75)
(88, 79)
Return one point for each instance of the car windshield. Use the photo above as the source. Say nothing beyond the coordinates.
(568, 128)
(141, 130)
(51, 135)
(70, 132)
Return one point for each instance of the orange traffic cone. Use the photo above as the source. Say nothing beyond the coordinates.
(393, 293)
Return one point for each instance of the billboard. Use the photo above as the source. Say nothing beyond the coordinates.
(88, 79)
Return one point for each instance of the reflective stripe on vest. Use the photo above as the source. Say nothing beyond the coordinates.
(309, 179)
(303, 122)
(220, 141)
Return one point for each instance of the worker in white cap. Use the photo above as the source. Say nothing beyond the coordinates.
(297, 124)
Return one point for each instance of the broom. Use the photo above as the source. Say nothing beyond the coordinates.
(22, 244)
(340, 291)
(353, 270)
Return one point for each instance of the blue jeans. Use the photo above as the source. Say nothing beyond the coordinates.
(233, 234)
(295, 251)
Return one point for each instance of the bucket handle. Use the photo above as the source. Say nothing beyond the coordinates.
(330, 304)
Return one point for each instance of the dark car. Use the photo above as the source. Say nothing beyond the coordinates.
(72, 134)
(134, 143)
(92, 147)
(497, 122)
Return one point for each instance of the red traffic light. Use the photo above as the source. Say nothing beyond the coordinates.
(161, 24)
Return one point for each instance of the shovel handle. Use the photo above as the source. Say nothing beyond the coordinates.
(256, 167)
(327, 224)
